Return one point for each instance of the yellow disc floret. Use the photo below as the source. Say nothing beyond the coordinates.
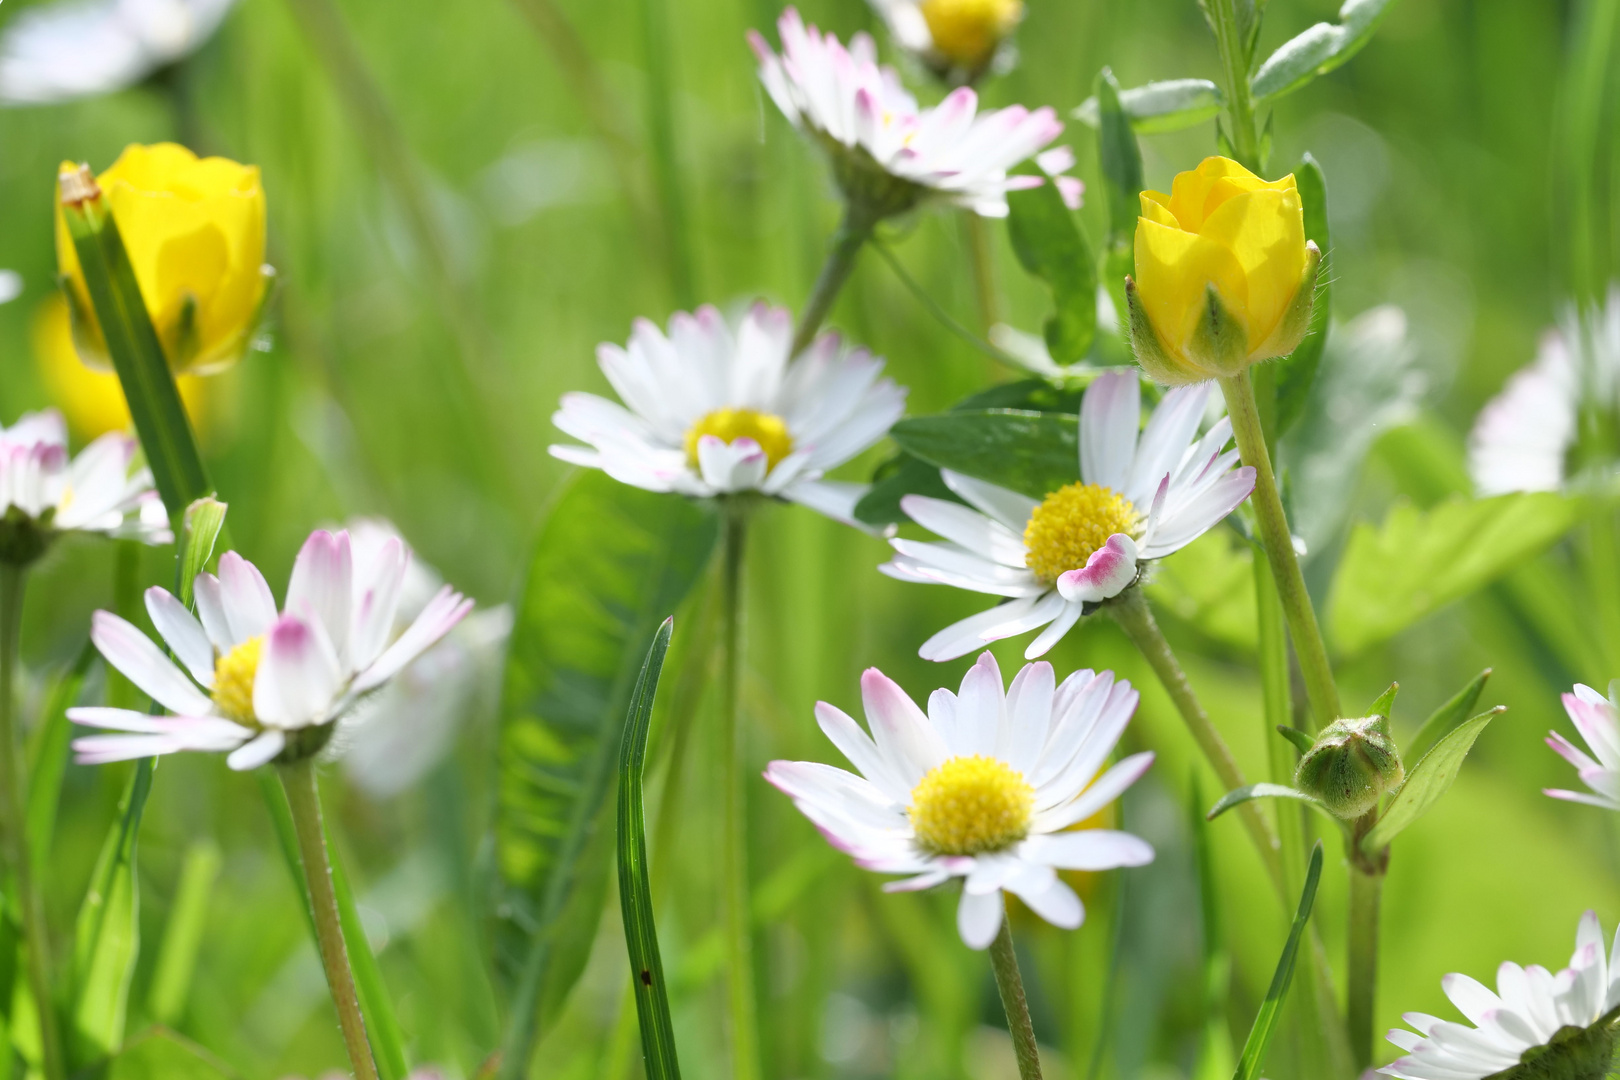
(966, 32)
(729, 425)
(233, 680)
(1071, 524)
(971, 805)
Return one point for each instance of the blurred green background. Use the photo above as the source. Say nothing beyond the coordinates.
(451, 248)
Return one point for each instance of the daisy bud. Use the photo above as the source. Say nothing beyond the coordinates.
(1224, 275)
(1352, 763)
(195, 232)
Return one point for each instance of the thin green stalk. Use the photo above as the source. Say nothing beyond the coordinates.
(982, 261)
(1130, 610)
(304, 800)
(1602, 572)
(35, 933)
(1235, 61)
(853, 231)
(665, 159)
(1279, 544)
(938, 311)
(1366, 892)
(1004, 961)
(745, 1061)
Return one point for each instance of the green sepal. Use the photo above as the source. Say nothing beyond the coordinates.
(1353, 764)
(1385, 704)
(1151, 354)
(1302, 742)
(1219, 343)
(1296, 320)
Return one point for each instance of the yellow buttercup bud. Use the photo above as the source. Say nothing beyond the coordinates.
(967, 32)
(195, 232)
(1224, 275)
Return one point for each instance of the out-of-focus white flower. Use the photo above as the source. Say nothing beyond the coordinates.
(958, 39)
(11, 286)
(1598, 721)
(887, 153)
(1141, 496)
(986, 787)
(264, 685)
(1523, 437)
(1531, 1006)
(44, 491)
(411, 723)
(716, 410)
(80, 48)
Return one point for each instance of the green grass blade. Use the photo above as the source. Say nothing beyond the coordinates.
(1265, 1021)
(182, 936)
(635, 890)
(48, 757)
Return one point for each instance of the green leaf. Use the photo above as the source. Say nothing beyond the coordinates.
(611, 562)
(1034, 453)
(1160, 106)
(1296, 372)
(635, 889)
(160, 1054)
(900, 476)
(1210, 584)
(1421, 560)
(1318, 50)
(107, 937)
(48, 758)
(182, 937)
(1241, 795)
(1051, 245)
(1447, 717)
(1255, 1046)
(1429, 779)
(1120, 159)
(204, 524)
(376, 1004)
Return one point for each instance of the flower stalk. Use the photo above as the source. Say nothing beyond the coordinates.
(1239, 101)
(303, 798)
(734, 829)
(853, 232)
(12, 582)
(1010, 983)
(1366, 894)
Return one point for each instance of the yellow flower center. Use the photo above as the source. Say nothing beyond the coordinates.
(1069, 527)
(233, 680)
(971, 805)
(966, 32)
(729, 425)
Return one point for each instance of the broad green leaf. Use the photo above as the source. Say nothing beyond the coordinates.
(1258, 1043)
(199, 539)
(182, 936)
(1418, 561)
(1160, 106)
(48, 758)
(1030, 452)
(160, 1054)
(1050, 244)
(107, 936)
(1241, 795)
(610, 563)
(635, 888)
(1426, 781)
(1120, 159)
(1210, 584)
(1296, 372)
(1447, 717)
(1318, 50)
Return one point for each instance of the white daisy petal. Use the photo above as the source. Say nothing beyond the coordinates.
(978, 918)
(261, 751)
(144, 664)
(1109, 416)
(184, 634)
(245, 595)
(298, 677)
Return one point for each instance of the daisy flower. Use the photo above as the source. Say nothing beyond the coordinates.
(44, 491)
(81, 48)
(986, 787)
(710, 409)
(887, 153)
(259, 685)
(1523, 436)
(958, 39)
(1565, 1022)
(1141, 496)
(1598, 722)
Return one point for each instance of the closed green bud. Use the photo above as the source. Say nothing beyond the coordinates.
(1352, 763)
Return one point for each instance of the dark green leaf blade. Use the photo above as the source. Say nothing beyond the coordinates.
(1121, 160)
(1263, 790)
(1033, 453)
(1051, 245)
(1427, 781)
(1447, 717)
(1297, 371)
(48, 757)
(635, 888)
(1255, 1046)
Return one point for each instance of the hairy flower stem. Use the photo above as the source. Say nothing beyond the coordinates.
(304, 800)
(1010, 983)
(1239, 101)
(853, 232)
(1130, 610)
(1366, 892)
(12, 581)
(1320, 688)
(734, 831)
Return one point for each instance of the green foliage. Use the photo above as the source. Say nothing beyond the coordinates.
(1033, 453)
(1427, 781)
(1242, 795)
(183, 934)
(199, 543)
(1418, 561)
(1447, 717)
(1319, 49)
(1159, 107)
(1256, 1046)
(1296, 372)
(1119, 158)
(1050, 244)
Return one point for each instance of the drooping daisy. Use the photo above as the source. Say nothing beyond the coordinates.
(1141, 497)
(1563, 1022)
(710, 409)
(44, 491)
(886, 153)
(263, 685)
(79, 48)
(1523, 438)
(1598, 722)
(958, 39)
(986, 787)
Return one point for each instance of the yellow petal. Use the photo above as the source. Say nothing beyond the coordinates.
(1173, 269)
(1264, 230)
(1157, 209)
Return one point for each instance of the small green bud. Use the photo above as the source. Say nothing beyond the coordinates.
(1352, 763)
